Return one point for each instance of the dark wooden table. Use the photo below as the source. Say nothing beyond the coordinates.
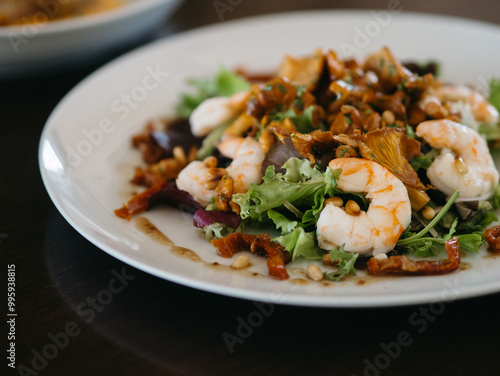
(69, 324)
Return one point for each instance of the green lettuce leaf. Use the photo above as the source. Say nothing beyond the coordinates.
(421, 162)
(495, 200)
(281, 222)
(311, 216)
(211, 141)
(300, 244)
(489, 131)
(494, 97)
(345, 265)
(225, 83)
(470, 242)
(276, 190)
(216, 231)
(299, 170)
(303, 123)
(477, 222)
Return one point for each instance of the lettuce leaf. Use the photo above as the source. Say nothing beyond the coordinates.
(300, 244)
(492, 131)
(291, 187)
(470, 241)
(494, 97)
(281, 222)
(217, 230)
(225, 83)
(211, 141)
(477, 222)
(299, 170)
(303, 123)
(345, 265)
(495, 200)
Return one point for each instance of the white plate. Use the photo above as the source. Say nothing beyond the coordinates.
(86, 160)
(32, 49)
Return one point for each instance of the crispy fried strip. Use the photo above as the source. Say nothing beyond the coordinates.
(492, 236)
(403, 265)
(260, 244)
(166, 193)
(307, 144)
(223, 193)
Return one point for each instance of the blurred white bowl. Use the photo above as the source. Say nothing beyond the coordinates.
(33, 49)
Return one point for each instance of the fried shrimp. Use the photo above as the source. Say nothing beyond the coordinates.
(378, 229)
(247, 158)
(465, 163)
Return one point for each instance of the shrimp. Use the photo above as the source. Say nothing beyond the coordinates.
(211, 113)
(247, 155)
(378, 229)
(465, 162)
(466, 101)
(195, 179)
(200, 179)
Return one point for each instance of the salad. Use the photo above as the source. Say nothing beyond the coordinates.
(351, 164)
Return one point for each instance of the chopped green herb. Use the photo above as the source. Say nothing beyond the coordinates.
(281, 88)
(392, 70)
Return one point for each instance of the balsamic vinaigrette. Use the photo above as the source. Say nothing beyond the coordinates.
(145, 226)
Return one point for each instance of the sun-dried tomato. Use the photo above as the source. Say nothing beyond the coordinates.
(166, 193)
(492, 236)
(403, 265)
(261, 245)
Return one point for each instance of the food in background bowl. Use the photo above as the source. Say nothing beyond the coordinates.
(14, 12)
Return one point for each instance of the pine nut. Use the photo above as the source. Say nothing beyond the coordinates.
(352, 208)
(335, 200)
(428, 213)
(210, 161)
(210, 185)
(241, 262)
(180, 155)
(388, 117)
(314, 272)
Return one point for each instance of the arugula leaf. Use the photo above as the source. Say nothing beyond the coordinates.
(477, 222)
(424, 161)
(411, 237)
(421, 162)
(282, 222)
(225, 83)
(300, 244)
(424, 246)
(345, 265)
